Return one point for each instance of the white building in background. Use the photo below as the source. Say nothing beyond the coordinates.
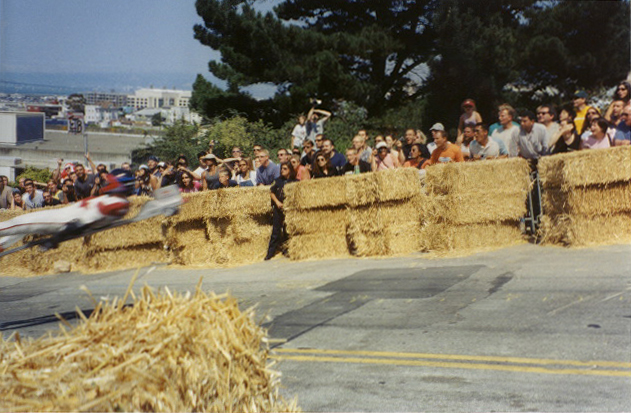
(170, 115)
(158, 98)
(96, 114)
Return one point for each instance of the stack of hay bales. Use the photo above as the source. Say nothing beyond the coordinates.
(239, 222)
(316, 218)
(140, 243)
(384, 211)
(225, 226)
(167, 352)
(476, 204)
(186, 234)
(365, 215)
(587, 197)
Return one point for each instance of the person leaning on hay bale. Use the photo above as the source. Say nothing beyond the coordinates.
(598, 138)
(531, 140)
(382, 160)
(623, 131)
(277, 194)
(416, 159)
(244, 174)
(445, 151)
(322, 167)
(354, 164)
(224, 180)
(566, 139)
(337, 159)
(302, 173)
(483, 147)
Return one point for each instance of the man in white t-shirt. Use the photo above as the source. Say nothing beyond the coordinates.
(546, 115)
(299, 134)
(507, 129)
(483, 147)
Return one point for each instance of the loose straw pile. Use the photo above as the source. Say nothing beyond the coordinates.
(166, 352)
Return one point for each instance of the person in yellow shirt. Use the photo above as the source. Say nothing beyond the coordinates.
(581, 108)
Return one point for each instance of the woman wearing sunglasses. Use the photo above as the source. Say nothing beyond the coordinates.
(302, 173)
(322, 167)
(243, 174)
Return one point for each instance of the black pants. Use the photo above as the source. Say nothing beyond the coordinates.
(279, 233)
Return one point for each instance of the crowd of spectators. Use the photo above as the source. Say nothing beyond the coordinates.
(312, 155)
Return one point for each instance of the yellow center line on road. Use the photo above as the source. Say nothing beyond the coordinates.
(465, 361)
(472, 366)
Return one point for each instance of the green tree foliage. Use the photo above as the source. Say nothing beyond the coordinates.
(576, 44)
(483, 46)
(477, 53)
(368, 52)
(157, 119)
(36, 174)
(182, 138)
(238, 131)
(188, 140)
(361, 51)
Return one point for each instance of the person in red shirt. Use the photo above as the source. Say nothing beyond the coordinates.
(445, 151)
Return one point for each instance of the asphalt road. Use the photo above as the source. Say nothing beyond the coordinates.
(527, 328)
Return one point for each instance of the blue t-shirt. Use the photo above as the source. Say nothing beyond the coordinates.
(338, 161)
(623, 132)
(267, 175)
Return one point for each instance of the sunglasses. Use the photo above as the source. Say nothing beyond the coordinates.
(321, 160)
(236, 151)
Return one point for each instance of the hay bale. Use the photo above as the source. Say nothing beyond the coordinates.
(379, 229)
(583, 168)
(449, 237)
(362, 189)
(106, 259)
(397, 184)
(196, 206)
(483, 178)
(316, 193)
(367, 219)
(475, 208)
(167, 352)
(251, 251)
(316, 221)
(232, 202)
(591, 200)
(403, 239)
(148, 231)
(248, 228)
(317, 246)
(586, 230)
(191, 244)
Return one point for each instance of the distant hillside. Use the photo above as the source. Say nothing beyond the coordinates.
(67, 83)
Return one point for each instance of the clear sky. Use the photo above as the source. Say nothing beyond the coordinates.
(101, 36)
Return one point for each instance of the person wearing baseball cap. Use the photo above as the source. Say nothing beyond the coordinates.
(434, 130)
(470, 117)
(581, 108)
